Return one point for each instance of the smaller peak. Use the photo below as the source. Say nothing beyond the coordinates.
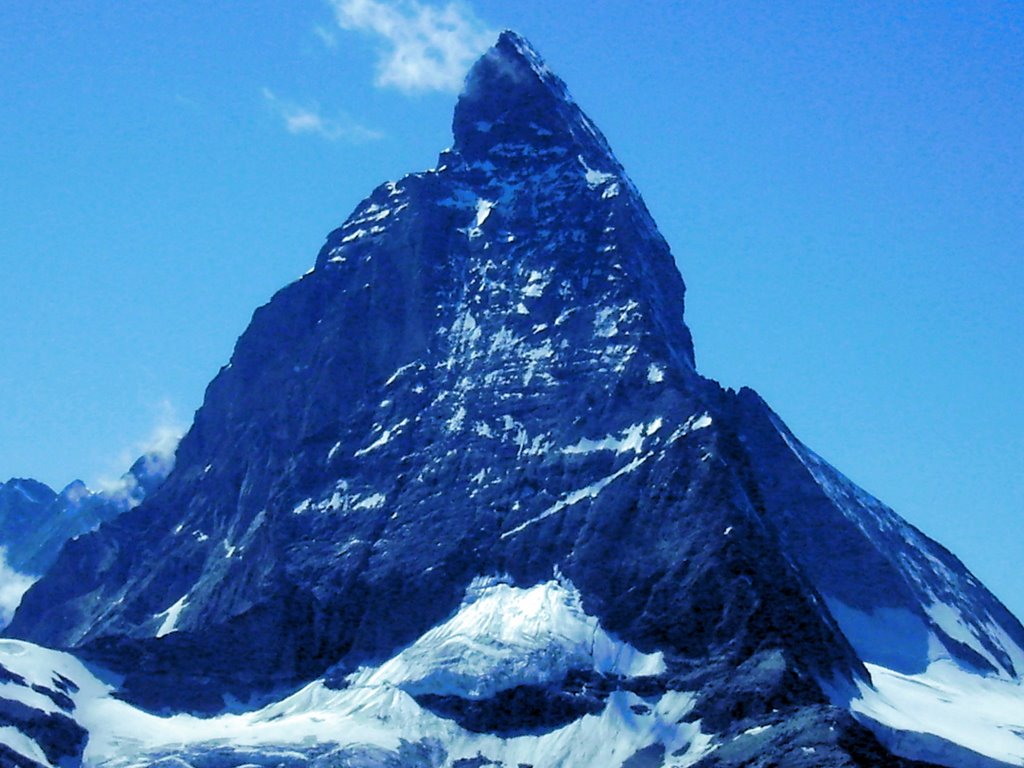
(75, 491)
(33, 490)
(24, 482)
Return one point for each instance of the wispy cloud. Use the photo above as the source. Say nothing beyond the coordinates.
(12, 586)
(157, 451)
(308, 119)
(326, 36)
(425, 47)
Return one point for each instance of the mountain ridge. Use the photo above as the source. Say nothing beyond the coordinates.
(35, 520)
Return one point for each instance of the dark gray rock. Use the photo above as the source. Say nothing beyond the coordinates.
(59, 736)
(11, 759)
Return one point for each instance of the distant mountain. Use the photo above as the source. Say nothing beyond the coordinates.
(23, 502)
(462, 498)
(35, 521)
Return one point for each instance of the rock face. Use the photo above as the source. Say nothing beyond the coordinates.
(487, 374)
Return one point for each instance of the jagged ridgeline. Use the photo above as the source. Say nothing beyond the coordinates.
(482, 402)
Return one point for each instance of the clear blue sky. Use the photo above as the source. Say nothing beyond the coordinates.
(842, 184)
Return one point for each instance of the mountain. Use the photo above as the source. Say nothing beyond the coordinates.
(35, 521)
(22, 501)
(461, 497)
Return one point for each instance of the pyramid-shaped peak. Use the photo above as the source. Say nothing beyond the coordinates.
(511, 97)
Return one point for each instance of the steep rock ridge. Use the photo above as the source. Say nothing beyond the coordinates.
(903, 600)
(486, 379)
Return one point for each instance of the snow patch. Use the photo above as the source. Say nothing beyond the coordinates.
(483, 211)
(984, 714)
(23, 745)
(589, 492)
(384, 439)
(504, 636)
(454, 424)
(612, 190)
(375, 501)
(535, 285)
(952, 622)
(170, 622)
(604, 323)
(693, 424)
(703, 422)
(594, 178)
(354, 236)
(630, 439)
(394, 376)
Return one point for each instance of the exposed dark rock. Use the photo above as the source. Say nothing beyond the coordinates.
(11, 759)
(59, 736)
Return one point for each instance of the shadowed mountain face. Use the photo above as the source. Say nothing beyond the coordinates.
(487, 373)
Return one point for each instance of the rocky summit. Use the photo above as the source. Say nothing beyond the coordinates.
(461, 498)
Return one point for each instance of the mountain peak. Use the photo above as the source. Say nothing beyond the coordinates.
(75, 491)
(514, 46)
(511, 98)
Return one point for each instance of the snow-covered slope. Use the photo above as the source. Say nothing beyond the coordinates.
(946, 714)
(505, 636)
(500, 638)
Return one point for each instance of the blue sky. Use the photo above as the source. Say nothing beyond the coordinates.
(842, 185)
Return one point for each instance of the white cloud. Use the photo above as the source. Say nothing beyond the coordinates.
(299, 119)
(12, 586)
(426, 47)
(157, 451)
